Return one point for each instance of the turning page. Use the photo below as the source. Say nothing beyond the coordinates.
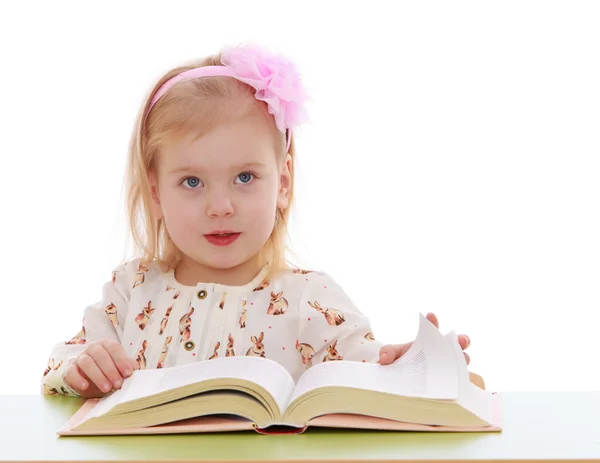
(427, 370)
(471, 397)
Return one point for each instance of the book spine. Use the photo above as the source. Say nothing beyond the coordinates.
(279, 430)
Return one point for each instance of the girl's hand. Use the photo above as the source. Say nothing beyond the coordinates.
(102, 366)
(392, 352)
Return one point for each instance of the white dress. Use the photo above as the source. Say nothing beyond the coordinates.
(297, 319)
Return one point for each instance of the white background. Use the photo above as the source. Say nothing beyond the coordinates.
(451, 165)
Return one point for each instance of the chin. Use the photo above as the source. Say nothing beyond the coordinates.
(223, 262)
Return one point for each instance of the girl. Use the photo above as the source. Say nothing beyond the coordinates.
(210, 187)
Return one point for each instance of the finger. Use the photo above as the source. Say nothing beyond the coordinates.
(75, 380)
(72, 378)
(391, 352)
(107, 365)
(90, 368)
(117, 354)
(92, 392)
(467, 358)
(464, 341)
(433, 319)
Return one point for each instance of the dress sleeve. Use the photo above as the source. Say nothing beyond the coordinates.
(331, 326)
(102, 320)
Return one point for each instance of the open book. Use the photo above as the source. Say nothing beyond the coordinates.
(427, 389)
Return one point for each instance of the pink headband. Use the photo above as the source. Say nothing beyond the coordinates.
(275, 79)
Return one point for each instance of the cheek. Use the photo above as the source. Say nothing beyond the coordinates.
(178, 210)
(262, 205)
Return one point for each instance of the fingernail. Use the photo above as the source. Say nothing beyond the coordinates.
(128, 372)
(117, 383)
(106, 387)
(83, 386)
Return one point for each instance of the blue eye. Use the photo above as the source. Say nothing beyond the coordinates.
(246, 177)
(191, 182)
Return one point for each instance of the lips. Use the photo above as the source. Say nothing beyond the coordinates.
(222, 238)
(222, 232)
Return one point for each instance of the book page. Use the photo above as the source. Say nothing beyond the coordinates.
(266, 373)
(427, 370)
(471, 397)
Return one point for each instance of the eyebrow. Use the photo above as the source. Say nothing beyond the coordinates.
(246, 165)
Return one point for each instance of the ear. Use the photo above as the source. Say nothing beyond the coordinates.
(156, 207)
(285, 183)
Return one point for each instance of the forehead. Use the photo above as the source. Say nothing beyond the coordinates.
(233, 142)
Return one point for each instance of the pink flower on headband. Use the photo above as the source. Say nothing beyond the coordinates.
(276, 80)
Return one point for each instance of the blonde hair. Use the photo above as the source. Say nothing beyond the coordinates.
(191, 107)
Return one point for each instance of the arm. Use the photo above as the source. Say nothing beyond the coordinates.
(101, 321)
(332, 326)
(345, 332)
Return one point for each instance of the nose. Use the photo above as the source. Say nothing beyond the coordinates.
(219, 205)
